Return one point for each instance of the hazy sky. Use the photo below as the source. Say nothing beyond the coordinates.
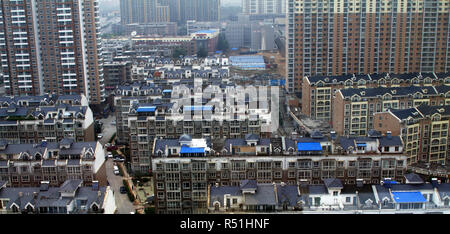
(224, 2)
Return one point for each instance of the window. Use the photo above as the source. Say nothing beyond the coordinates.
(335, 193)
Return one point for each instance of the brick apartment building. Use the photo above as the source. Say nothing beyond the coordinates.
(353, 108)
(319, 91)
(364, 37)
(424, 130)
(60, 55)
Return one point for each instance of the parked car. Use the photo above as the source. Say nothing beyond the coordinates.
(99, 136)
(123, 190)
(113, 122)
(109, 155)
(119, 159)
(112, 148)
(116, 170)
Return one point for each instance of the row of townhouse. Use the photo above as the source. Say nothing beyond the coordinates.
(25, 165)
(71, 197)
(184, 167)
(121, 72)
(388, 197)
(31, 119)
(353, 109)
(319, 93)
(424, 130)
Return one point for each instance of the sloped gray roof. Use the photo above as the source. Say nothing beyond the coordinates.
(217, 193)
(413, 178)
(333, 183)
(317, 189)
(444, 190)
(265, 195)
(70, 186)
(392, 141)
(248, 184)
(288, 194)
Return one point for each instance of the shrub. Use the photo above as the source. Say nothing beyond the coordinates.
(149, 210)
(130, 195)
(112, 138)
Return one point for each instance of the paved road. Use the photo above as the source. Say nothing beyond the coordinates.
(124, 206)
(108, 129)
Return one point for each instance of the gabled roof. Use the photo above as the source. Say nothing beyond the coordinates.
(287, 194)
(217, 193)
(413, 178)
(248, 184)
(406, 113)
(333, 183)
(265, 195)
(70, 186)
(390, 141)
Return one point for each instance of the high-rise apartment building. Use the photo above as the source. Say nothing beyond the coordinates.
(150, 11)
(138, 11)
(366, 36)
(200, 10)
(51, 47)
(263, 6)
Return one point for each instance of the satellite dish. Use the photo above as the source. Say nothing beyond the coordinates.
(133, 34)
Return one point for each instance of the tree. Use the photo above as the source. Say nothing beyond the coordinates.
(177, 52)
(202, 53)
(222, 44)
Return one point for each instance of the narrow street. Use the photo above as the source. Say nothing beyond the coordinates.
(124, 206)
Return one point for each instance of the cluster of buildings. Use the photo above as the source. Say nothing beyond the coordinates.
(184, 168)
(72, 197)
(413, 106)
(49, 159)
(414, 196)
(333, 38)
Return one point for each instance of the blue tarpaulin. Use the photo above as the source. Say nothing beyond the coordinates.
(408, 197)
(389, 181)
(146, 109)
(191, 150)
(167, 91)
(361, 144)
(309, 146)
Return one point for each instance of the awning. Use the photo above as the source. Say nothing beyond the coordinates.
(309, 146)
(191, 150)
(146, 109)
(408, 197)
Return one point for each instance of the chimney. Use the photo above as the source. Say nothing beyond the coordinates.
(20, 194)
(389, 135)
(95, 185)
(434, 182)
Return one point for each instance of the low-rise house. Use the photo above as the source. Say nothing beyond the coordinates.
(251, 196)
(69, 198)
(26, 165)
